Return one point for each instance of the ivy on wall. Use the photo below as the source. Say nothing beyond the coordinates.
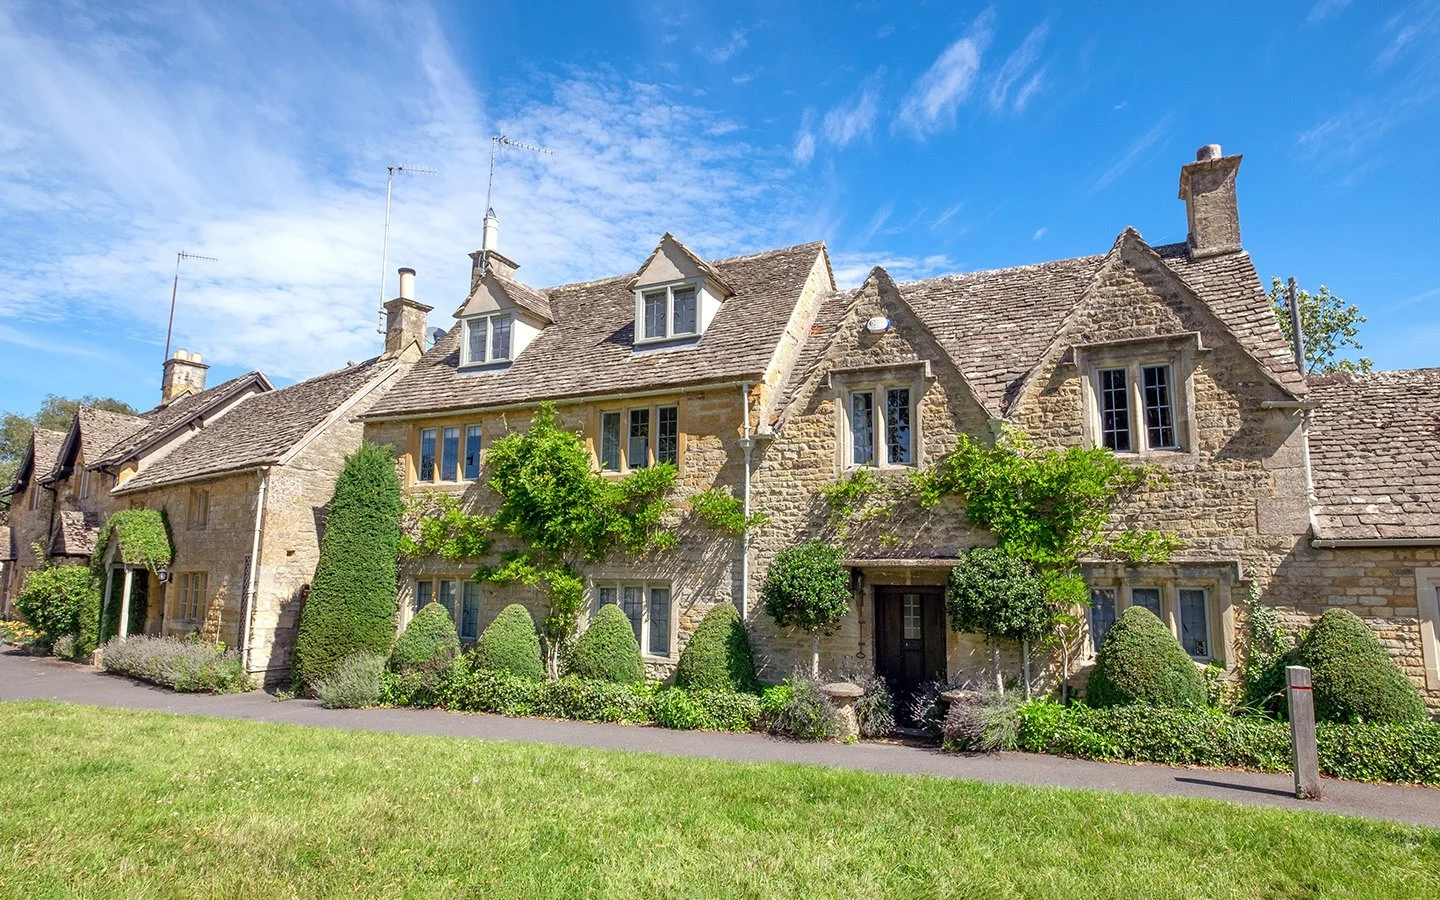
(142, 538)
(551, 502)
(723, 511)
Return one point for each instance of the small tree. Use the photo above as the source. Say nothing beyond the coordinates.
(351, 608)
(807, 588)
(1140, 661)
(1354, 677)
(1002, 597)
(55, 599)
(427, 644)
(718, 657)
(1327, 324)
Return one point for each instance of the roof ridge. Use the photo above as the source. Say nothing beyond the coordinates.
(1020, 268)
(726, 260)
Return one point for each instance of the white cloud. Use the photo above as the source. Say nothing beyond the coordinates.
(724, 53)
(115, 163)
(851, 269)
(1133, 154)
(933, 100)
(1039, 233)
(1325, 9)
(1015, 68)
(851, 121)
(804, 150)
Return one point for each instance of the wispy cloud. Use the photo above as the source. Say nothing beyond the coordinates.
(804, 149)
(855, 118)
(851, 269)
(1325, 9)
(877, 221)
(933, 100)
(1132, 154)
(1012, 76)
(730, 49)
(1039, 233)
(945, 216)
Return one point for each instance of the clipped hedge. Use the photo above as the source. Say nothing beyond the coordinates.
(718, 657)
(1405, 753)
(1141, 662)
(427, 644)
(351, 608)
(1354, 678)
(511, 644)
(607, 650)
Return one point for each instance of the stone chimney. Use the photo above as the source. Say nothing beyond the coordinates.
(490, 239)
(405, 321)
(1208, 188)
(184, 374)
(482, 261)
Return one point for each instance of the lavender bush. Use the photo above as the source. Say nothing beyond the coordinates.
(183, 665)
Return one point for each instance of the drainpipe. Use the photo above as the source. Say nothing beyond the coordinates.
(247, 605)
(747, 444)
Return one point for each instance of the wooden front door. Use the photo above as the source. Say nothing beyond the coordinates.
(909, 641)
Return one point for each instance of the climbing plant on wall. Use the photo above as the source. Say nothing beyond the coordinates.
(141, 538)
(560, 512)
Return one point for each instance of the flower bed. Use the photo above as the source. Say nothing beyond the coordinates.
(183, 665)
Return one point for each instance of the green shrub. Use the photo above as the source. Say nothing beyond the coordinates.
(427, 644)
(1354, 678)
(874, 709)
(187, 665)
(802, 710)
(806, 587)
(64, 647)
(996, 594)
(511, 644)
(1404, 753)
(989, 724)
(718, 657)
(704, 710)
(674, 708)
(354, 683)
(53, 600)
(351, 608)
(607, 650)
(1141, 662)
(466, 689)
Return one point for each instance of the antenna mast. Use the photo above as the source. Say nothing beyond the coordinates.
(497, 144)
(385, 242)
(175, 290)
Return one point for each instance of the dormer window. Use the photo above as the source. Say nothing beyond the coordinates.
(487, 339)
(667, 312)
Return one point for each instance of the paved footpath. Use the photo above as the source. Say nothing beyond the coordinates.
(32, 678)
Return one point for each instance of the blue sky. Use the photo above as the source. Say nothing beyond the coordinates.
(929, 138)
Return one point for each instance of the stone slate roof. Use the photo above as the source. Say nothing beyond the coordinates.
(1375, 455)
(996, 325)
(524, 296)
(163, 419)
(75, 533)
(39, 457)
(260, 429)
(98, 431)
(589, 348)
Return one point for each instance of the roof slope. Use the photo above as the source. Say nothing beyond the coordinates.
(1375, 454)
(590, 347)
(160, 420)
(101, 429)
(75, 533)
(40, 457)
(260, 430)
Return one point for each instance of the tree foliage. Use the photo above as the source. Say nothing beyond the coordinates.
(552, 501)
(725, 512)
(1140, 661)
(1354, 678)
(999, 595)
(807, 587)
(351, 608)
(54, 601)
(54, 414)
(427, 644)
(510, 644)
(1329, 326)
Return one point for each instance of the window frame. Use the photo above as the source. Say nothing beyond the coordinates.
(435, 476)
(1173, 353)
(646, 586)
(198, 518)
(1217, 586)
(467, 356)
(879, 393)
(433, 581)
(642, 294)
(624, 416)
(191, 597)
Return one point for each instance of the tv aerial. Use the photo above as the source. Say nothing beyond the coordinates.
(175, 290)
(392, 171)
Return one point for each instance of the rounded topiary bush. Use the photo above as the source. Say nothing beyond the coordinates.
(510, 644)
(427, 644)
(994, 593)
(807, 587)
(1141, 662)
(607, 650)
(351, 608)
(718, 657)
(1353, 676)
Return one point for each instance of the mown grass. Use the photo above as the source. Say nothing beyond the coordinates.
(113, 803)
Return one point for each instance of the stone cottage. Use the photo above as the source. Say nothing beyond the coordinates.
(676, 362)
(32, 511)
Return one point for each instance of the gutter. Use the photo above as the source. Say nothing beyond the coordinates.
(1326, 544)
(247, 606)
(188, 479)
(747, 444)
(560, 401)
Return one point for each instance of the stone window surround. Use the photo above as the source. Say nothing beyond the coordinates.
(697, 283)
(198, 509)
(878, 379)
(490, 357)
(408, 611)
(1179, 351)
(183, 583)
(1427, 602)
(1219, 580)
(619, 583)
(624, 409)
(412, 460)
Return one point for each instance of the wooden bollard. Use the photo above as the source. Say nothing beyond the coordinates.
(1305, 756)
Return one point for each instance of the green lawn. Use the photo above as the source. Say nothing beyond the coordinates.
(111, 803)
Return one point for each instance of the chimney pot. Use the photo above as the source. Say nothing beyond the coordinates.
(405, 320)
(407, 284)
(1207, 153)
(491, 235)
(183, 374)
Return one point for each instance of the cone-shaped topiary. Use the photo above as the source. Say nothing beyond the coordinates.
(1141, 662)
(510, 644)
(427, 644)
(1353, 676)
(718, 657)
(352, 598)
(607, 649)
